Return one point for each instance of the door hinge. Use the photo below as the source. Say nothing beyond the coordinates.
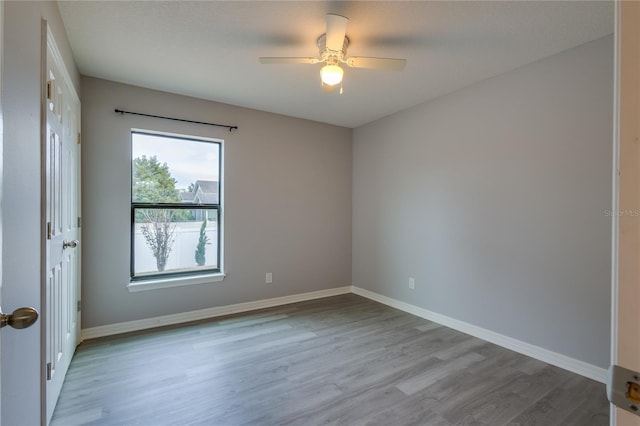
(49, 371)
(79, 222)
(49, 84)
(79, 138)
(79, 305)
(48, 230)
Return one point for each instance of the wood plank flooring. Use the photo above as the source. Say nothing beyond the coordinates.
(341, 360)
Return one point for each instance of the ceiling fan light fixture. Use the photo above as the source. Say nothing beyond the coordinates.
(331, 74)
(332, 48)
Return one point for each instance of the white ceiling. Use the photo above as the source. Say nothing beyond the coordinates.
(210, 49)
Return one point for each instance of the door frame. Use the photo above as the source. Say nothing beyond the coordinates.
(625, 250)
(44, 28)
(1, 180)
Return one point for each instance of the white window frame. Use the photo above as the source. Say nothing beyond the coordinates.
(158, 281)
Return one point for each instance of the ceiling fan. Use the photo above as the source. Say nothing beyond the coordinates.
(333, 53)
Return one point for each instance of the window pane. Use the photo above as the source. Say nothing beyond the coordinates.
(173, 170)
(175, 240)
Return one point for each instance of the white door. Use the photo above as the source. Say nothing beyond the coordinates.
(626, 248)
(62, 224)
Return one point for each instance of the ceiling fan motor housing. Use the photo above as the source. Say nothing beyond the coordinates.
(332, 57)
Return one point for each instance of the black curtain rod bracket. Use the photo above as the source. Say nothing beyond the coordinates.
(122, 112)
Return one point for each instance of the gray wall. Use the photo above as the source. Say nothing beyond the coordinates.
(494, 199)
(287, 203)
(21, 221)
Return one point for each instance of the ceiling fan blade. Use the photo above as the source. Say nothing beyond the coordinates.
(288, 60)
(336, 30)
(389, 64)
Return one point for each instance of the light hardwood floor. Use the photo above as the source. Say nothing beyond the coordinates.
(342, 360)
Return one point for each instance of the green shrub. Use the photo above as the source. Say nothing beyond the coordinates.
(203, 240)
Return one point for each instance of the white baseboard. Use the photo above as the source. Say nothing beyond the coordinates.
(143, 324)
(571, 364)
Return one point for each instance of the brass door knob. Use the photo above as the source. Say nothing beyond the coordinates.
(20, 318)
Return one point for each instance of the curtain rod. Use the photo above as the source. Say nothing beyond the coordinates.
(231, 128)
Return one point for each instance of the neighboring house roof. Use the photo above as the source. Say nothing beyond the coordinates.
(186, 196)
(204, 192)
(207, 186)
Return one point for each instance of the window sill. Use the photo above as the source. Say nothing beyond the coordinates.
(154, 284)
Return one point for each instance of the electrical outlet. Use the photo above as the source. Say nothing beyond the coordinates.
(268, 278)
(412, 283)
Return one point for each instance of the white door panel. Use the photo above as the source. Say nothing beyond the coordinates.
(62, 219)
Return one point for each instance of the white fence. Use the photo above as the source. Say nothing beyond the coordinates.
(182, 255)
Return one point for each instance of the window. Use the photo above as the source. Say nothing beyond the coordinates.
(176, 207)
